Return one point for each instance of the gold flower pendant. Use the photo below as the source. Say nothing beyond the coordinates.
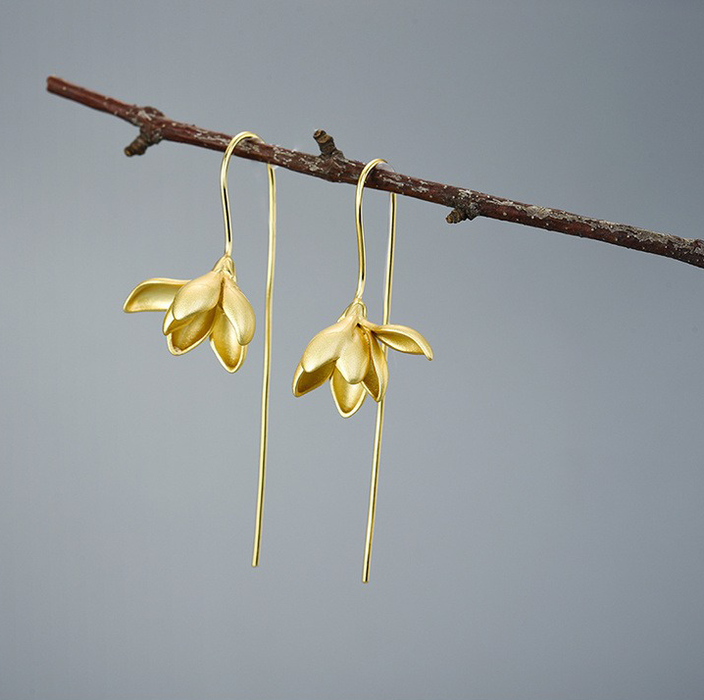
(211, 306)
(350, 355)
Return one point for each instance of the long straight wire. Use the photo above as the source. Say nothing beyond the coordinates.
(376, 457)
(264, 435)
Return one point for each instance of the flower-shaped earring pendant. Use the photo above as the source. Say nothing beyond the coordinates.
(351, 354)
(213, 306)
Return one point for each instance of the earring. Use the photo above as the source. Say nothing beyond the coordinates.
(351, 354)
(213, 306)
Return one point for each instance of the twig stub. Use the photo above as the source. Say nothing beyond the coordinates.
(328, 149)
(139, 146)
(146, 119)
(463, 213)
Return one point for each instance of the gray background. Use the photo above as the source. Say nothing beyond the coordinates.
(540, 531)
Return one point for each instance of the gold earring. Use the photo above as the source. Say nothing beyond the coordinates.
(213, 306)
(350, 356)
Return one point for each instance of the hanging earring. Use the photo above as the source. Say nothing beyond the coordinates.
(351, 354)
(214, 307)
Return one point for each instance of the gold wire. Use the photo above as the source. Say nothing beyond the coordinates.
(264, 433)
(376, 457)
(264, 437)
(223, 185)
(361, 248)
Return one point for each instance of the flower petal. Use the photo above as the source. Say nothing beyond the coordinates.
(171, 324)
(348, 397)
(402, 338)
(326, 346)
(377, 377)
(193, 333)
(239, 311)
(223, 341)
(354, 358)
(199, 295)
(303, 381)
(153, 295)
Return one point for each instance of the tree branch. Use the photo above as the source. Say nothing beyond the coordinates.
(331, 165)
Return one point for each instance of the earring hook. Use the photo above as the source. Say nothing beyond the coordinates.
(361, 247)
(236, 140)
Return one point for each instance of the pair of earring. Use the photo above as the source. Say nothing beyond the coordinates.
(350, 355)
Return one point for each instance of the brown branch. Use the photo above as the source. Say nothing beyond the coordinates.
(331, 165)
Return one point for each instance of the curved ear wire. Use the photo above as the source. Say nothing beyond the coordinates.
(373, 488)
(266, 376)
(234, 142)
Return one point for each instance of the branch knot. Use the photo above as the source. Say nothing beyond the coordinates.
(328, 149)
(147, 119)
(463, 212)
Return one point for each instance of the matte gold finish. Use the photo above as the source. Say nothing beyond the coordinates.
(213, 306)
(351, 354)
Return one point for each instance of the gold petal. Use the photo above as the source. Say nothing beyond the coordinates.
(377, 377)
(171, 324)
(327, 345)
(402, 338)
(199, 295)
(348, 397)
(239, 311)
(354, 358)
(303, 381)
(223, 341)
(193, 333)
(153, 295)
